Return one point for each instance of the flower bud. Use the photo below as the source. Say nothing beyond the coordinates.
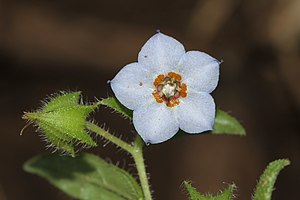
(62, 122)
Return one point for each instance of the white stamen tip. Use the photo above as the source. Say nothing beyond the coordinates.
(169, 90)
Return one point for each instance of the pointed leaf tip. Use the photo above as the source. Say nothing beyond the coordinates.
(226, 124)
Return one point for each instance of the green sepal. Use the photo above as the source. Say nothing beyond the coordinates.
(224, 123)
(193, 194)
(85, 177)
(62, 121)
(265, 186)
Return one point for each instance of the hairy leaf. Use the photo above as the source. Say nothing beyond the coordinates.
(265, 186)
(85, 177)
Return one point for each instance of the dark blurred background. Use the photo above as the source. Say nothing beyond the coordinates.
(47, 46)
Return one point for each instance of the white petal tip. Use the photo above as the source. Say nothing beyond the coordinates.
(147, 143)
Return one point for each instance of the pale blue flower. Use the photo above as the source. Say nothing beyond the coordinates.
(168, 89)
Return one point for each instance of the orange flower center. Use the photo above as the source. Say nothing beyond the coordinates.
(169, 89)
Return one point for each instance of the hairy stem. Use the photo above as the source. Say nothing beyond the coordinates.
(103, 133)
(141, 168)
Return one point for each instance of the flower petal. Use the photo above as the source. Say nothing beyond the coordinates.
(200, 71)
(133, 86)
(161, 53)
(196, 112)
(155, 123)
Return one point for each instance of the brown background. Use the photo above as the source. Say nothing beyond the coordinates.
(47, 46)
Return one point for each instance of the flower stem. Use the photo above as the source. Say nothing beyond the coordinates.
(140, 165)
(136, 150)
(100, 131)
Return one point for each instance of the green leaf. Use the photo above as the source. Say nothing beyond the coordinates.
(226, 124)
(193, 194)
(265, 186)
(85, 177)
(114, 104)
(62, 121)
